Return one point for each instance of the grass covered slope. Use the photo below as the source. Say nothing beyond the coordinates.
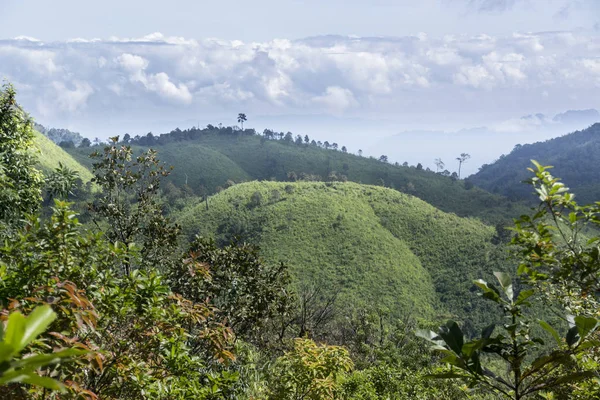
(375, 246)
(211, 159)
(50, 155)
(574, 157)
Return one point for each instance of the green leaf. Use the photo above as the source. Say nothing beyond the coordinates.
(36, 323)
(506, 284)
(6, 351)
(453, 336)
(41, 360)
(575, 377)
(551, 330)
(31, 378)
(487, 331)
(585, 325)
(572, 335)
(489, 291)
(15, 330)
(471, 347)
(431, 337)
(524, 295)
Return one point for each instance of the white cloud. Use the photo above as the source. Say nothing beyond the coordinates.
(74, 99)
(336, 99)
(159, 83)
(132, 62)
(381, 76)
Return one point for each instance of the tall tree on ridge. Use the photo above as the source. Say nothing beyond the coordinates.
(439, 164)
(241, 119)
(463, 158)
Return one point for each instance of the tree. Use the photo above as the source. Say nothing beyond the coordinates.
(383, 158)
(514, 347)
(463, 158)
(129, 202)
(67, 144)
(344, 149)
(419, 167)
(85, 142)
(360, 152)
(241, 119)
(126, 138)
(61, 182)
(439, 165)
(261, 289)
(97, 141)
(256, 199)
(20, 181)
(326, 145)
(306, 139)
(334, 146)
(309, 371)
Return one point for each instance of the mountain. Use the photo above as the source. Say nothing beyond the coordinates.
(51, 154)
(574, 157)
(207, 159)
(485, 143)
(58, 135)
(375, 247)
(581, 117)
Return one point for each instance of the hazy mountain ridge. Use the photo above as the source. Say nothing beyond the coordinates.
(59, 135)
(574, 157)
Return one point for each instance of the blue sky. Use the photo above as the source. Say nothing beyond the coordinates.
(262, 20)
(347, 70)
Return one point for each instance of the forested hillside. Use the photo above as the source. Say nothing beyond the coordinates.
(49, 156)
(573, 156)
(375, 247)
(207, 159)
(312, 288)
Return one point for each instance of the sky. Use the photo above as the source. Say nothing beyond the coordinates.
(352, 71)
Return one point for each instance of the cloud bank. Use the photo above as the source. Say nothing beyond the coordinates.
(406, 78)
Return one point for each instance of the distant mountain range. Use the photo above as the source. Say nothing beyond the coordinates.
(574, 157)
(58, 135)
(485, 144)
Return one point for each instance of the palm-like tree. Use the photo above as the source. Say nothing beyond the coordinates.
(439, 164)
(463, 158)
(241, 119)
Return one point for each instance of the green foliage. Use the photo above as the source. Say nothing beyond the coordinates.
(371, 246)
(245, 291)
(206, 159)
(50, 156)
(147, 341)
(552, 243)
(573, 156)
(516, 346)
(332, 238)
(61, 182)
(19, 332)
(20, 181)
(129, 206)
(309, 371)
(558, 249)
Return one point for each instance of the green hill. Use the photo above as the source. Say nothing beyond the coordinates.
(374, 246)
(574, 157)
(207, 159)
(49, 155)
